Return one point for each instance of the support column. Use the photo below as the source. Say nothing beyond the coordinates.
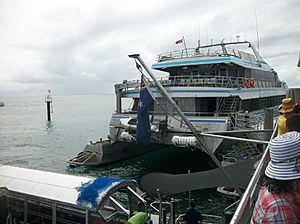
(294, 93)
(268, 122)
(118, 100)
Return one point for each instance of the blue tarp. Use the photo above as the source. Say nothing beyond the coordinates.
(89, 192)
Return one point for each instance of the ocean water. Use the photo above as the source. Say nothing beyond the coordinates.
(28, 140)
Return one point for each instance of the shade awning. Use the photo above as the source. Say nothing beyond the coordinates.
(240, 174)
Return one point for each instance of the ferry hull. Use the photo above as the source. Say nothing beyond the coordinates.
(163, 132)
(105, 152)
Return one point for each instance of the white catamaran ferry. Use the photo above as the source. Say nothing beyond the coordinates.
(219, 88)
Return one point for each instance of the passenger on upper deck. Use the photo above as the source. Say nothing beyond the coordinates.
(285, 109)
(279, 198)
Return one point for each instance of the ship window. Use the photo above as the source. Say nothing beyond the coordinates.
(241, 72)
(232, 72)
(258, 104)
(213, 71)
(195, 72)
(187, 105)
(163, 106)
(248, 73)
(223, 71)
(205, 104)
(135, 104)
(263, 75)
(184, 74)
(204, 70)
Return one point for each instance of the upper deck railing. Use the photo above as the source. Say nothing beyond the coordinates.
(204, 81)
(196, 52)
(214, 50)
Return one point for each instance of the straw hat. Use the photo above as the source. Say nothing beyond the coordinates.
(285, 157)
(287, 105)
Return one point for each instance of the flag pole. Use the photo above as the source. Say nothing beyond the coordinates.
(185, 46)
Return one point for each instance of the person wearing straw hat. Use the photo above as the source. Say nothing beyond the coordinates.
(285, 109)
(279, 198)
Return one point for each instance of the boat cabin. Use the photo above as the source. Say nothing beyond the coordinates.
(211, 80)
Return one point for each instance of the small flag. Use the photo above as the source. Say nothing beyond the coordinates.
(179, 41)
(143, 123)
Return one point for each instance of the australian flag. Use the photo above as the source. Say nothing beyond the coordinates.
(143, 123)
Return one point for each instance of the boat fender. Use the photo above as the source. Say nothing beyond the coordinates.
(252, 84)
(184, 141)
(247, 83)
(125, 136)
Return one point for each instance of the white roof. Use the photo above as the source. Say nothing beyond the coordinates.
(54, 186)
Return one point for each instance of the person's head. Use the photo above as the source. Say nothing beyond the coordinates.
(141, 207)
(296, 109)
(293, 123)
(192, 204)
(283, 169)
(286, 107)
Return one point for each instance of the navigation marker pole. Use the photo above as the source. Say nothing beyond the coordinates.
(48, 100)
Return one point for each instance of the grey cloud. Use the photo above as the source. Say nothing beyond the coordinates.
(98, 43)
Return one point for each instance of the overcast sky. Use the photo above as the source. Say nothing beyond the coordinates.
(81, 47)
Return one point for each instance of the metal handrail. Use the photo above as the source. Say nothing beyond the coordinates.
(180, 217)
(244, 210)
(157, 202)
(197, 52)
(196, 114)
(202, 81)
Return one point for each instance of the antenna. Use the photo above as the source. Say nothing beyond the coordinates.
(230, 32)
(199, 35)
(256, 31)
(237, 38)
(245, 34)
(206, 34)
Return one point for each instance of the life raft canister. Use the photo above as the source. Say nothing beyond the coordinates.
(252, 84)
(247, 83)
